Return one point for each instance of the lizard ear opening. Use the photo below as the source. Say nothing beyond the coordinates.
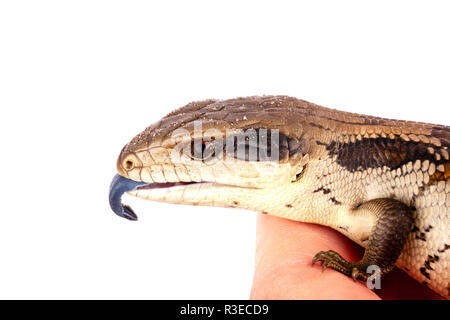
(299, 174)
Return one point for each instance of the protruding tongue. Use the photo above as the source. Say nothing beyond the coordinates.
(119, 186)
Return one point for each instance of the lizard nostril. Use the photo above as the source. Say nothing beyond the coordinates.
(129, 164)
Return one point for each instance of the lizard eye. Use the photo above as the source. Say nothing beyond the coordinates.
(249, 145)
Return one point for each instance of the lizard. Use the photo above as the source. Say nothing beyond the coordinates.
(383, 183)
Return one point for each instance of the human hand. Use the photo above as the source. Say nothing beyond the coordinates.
(283, 270)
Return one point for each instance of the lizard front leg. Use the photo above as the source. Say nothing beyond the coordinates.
(393, 222)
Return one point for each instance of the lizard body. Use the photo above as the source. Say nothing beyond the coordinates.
(383, 183)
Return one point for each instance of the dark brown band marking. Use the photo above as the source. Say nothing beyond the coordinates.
(425, 273)
(324, 190)
(333, 199)
(378, 152)
(429, 261)
(421, 236)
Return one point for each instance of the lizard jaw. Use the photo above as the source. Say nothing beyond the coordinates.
(193, 193)
(172, 192)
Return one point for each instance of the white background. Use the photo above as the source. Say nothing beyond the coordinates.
(78, 79)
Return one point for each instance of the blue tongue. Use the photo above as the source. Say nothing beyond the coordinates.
(118, 187)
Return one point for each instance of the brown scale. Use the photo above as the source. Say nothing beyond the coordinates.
(441, 175)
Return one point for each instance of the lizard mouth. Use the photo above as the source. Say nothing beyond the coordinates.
(121, 185)
(164, 185)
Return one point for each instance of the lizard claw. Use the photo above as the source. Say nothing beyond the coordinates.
(317, 257)
(322, 257)
(355, 274)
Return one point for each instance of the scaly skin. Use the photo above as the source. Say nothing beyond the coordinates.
(364, 176)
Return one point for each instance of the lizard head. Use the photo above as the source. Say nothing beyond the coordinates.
(246, 153)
